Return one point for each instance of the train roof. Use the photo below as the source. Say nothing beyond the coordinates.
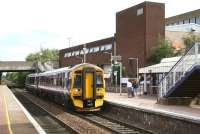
(65, 69)
(32, 75)
(88, 64)
(56, 71)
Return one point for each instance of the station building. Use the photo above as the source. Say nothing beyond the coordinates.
(137, 31)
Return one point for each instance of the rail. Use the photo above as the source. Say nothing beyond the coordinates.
(186, 62)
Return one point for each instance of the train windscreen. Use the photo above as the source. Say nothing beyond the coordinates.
(99, 81)
(78, 81)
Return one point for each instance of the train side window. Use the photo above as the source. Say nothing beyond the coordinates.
(77, 81)
(68, 84)
(99, 81)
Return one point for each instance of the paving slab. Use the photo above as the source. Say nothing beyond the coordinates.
(13, 117)
(149, 103)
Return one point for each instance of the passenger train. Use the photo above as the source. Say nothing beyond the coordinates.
(81, 87)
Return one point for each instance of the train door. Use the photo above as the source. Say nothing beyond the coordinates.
(89, 86)
(89, 77)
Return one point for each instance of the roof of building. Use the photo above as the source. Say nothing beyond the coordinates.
(183, 16)
(166, 64)
(88, 45)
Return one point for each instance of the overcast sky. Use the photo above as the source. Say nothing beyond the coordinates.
(27, 25)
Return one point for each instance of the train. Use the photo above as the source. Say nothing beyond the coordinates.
(81, 87)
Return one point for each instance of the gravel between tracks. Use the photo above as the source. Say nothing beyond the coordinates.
(77, 123)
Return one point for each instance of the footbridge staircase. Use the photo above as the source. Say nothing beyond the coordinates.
(182, 83)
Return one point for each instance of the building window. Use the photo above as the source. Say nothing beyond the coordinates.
(198, 20)
(102, 48)
(81, 52)
(108, 47)
(96, 49)
(76, 53)
(181, 22)
(67, 54)
(91, 50)
(140, 11)
(86, 51)
(186, 21)
(192, 20)
(73, 54)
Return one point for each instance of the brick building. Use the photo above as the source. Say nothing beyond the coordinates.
(137, 30)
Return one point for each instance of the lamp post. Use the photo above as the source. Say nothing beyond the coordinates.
(110, 64)
(131, 58)
(84, 53)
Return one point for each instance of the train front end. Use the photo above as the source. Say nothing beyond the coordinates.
(88, 88)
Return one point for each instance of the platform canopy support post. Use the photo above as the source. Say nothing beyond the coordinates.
(145, 82)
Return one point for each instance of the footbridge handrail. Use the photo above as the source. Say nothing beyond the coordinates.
(185, 63)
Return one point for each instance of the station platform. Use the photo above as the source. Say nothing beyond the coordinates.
(149, 103)
(14, 119)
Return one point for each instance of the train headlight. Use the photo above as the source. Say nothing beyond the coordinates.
(77, 92)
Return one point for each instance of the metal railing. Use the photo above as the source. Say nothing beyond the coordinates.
(186, 62)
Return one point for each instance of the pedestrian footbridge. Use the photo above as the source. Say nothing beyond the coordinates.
(16, 66)
(182, 81)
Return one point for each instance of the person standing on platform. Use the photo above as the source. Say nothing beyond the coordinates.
(141, 82)
(135, 87)
(130, 90)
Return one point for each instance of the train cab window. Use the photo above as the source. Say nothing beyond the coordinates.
(99, 81)
(77, 81)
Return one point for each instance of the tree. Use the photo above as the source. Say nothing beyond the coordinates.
(190, 39)
(17, 77)
(43, 55)
(163, 49)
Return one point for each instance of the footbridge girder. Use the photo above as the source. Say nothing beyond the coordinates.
(16, 66)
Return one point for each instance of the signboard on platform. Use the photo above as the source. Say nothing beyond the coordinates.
(116, 58)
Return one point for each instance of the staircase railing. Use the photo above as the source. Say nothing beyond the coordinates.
(185, 63)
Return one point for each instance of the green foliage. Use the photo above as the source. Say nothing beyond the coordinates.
(163, 49)
(17, 77)
(189, 39)
(43, 55)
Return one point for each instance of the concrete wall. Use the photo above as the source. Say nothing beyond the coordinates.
(151, 120)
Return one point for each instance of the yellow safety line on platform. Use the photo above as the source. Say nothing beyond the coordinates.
(7, 116)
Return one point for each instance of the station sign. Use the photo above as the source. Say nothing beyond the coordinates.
(117, 58)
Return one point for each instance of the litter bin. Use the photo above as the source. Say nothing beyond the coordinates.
(130, 92)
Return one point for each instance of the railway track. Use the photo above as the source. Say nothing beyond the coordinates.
(113, 125)
(83, 121)
(50, 124)
(77, 124)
